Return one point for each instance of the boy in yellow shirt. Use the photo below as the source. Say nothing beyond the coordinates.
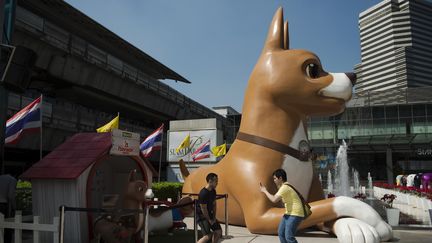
(294, 213)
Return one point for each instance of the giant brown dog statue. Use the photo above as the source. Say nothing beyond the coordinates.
(285, 87)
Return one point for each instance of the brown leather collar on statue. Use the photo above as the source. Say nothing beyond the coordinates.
(303, 154)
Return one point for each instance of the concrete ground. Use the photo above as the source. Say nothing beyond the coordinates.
(402, 234)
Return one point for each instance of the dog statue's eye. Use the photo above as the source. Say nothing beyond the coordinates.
(140, 189)
(312, 70)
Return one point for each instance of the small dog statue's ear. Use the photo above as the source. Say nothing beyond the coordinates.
(275, 37)
(132, 175)
(286, 36)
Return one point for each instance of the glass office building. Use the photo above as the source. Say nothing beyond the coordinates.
(396, 48)
(385, 139)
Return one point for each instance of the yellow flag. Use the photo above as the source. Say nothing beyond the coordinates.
(114, 123)
(184, 144)
(219, 150)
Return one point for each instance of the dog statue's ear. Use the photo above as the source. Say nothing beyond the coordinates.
(132, 175)
(286, 36)
(275, 36)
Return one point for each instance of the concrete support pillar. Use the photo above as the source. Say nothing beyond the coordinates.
(3, 119)
(389, 166)
(3, 99)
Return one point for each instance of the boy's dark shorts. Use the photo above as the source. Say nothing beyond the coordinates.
(206, 228)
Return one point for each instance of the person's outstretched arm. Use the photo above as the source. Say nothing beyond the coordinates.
(273, 198)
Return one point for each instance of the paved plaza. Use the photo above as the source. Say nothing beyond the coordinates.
(418, 233)
(403, 234)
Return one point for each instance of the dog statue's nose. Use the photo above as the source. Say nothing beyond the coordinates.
(352, 77)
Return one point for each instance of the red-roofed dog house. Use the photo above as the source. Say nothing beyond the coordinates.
(81, 173)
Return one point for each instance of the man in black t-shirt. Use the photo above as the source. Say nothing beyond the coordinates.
(206, 211)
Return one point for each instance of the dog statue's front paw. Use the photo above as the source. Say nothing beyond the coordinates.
(351, 230)
(384, 230)
(350, 207)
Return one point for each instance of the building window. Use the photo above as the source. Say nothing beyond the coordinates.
(405, 111)
(378, 112)
(391, 111)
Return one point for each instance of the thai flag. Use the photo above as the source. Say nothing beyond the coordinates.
(152, 142)
(202, 152)
(26, 119)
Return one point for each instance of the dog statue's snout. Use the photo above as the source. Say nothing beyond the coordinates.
(352, 77)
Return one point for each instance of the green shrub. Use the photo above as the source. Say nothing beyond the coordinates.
(164, 190)
(24, 197)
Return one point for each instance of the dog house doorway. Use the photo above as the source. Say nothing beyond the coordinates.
(107, 181)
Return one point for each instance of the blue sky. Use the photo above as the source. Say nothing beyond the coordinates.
(215, 43)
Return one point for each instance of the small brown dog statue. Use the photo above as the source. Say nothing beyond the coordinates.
(121, 228)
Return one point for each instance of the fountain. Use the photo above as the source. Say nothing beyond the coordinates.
(370, 187)
(329, 183)
(357, 188)
(342, 182)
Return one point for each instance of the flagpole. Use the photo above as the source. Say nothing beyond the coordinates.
(160, 157)
(190, 150)
(118, 114)
(41, 123)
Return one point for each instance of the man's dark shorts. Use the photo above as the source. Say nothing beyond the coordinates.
(206, 228)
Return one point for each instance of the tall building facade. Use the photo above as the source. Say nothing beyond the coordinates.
(396, 50)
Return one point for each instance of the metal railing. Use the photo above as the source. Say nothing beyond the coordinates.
(76, 46)
(63, 209)
(218, 196)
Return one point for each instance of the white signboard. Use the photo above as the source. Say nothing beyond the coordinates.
(125, 143)
(197, 138)
(174, 173)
